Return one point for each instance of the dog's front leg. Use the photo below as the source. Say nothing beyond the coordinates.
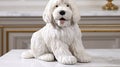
(40, 50)
(62, 53)
(79, 52)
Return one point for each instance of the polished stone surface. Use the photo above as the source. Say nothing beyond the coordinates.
(100, 58)
(39, 13)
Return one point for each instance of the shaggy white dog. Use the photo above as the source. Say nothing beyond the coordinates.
(60, 38)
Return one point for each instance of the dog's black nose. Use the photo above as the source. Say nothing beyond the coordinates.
(62, 12)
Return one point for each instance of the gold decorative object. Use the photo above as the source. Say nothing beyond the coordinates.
(110, 6)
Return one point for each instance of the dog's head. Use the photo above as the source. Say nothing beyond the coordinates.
(61, 13)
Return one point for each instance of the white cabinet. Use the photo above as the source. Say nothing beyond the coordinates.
(98, 32)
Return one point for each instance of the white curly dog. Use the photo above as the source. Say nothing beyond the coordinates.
(60, 38)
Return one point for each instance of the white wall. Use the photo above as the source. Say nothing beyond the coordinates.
(40, 4)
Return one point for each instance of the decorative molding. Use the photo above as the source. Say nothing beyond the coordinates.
(107, 26)
(100, 26)
(1, 40)
(100, 30)
(15, 31)
(82, 26)
(19, 40)
(1, 26)
(24, 26)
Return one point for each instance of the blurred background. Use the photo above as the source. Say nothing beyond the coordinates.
(20, 18)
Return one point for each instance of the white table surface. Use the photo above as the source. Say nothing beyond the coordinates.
(91, 12)
(101, 58)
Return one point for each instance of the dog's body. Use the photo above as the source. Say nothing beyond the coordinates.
(60, 37)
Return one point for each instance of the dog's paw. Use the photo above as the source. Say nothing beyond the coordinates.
(27, 54)
(67, 60)
(46, 57)
(84, 58)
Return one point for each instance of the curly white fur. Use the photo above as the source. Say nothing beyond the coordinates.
(60, 38)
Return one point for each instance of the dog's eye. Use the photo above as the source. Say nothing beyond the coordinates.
(56, 6)
(67, 5)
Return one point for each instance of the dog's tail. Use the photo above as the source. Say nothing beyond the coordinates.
(27, 54)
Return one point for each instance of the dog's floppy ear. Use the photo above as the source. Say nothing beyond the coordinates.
(47, 16)
(76, 13)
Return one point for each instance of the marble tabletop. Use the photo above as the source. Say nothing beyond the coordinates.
(39, 13)
(100, 58)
